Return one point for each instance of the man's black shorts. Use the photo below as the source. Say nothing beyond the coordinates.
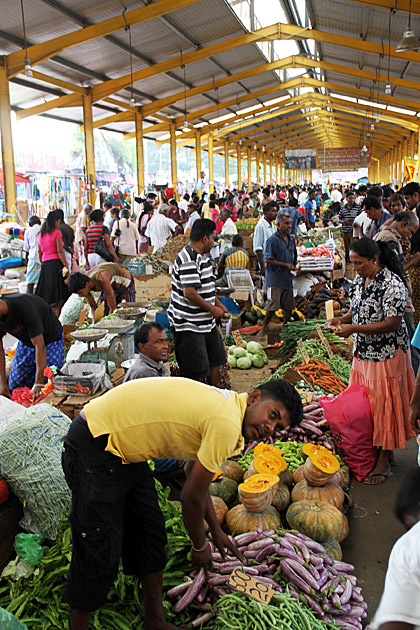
(115, 514)
(197, 353)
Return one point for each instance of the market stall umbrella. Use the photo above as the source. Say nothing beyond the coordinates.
(20, 178)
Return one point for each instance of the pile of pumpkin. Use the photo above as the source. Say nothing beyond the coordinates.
(245, 502)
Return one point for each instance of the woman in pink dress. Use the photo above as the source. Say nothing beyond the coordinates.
(51, 285)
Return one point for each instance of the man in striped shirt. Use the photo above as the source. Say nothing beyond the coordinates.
(194, 308)
(346, 216)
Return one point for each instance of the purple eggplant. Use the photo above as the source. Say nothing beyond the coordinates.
(348, 588)
(304, 574)
(299, 544)
(314, 605)
(311, 544)
(343, 567)
(260, 544)
(268, 551)
(229, 566)
(292, 555)
(251, 570)
(251, 554)
(202, 619)
(179, 589)
(312, 570)
(218, 580)
(192, 592)
(203, 593)
(316, 561)
(323, 577)
(246, 539)
(295, 578)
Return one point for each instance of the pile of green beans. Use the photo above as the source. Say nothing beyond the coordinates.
(291, 452)
(36, 600)
(301, 330)
(240, 612)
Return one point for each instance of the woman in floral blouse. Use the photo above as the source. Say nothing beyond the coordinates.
(381, 361)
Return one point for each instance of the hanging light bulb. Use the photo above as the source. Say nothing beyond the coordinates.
(368, 134)
(377, 117)
(388, 88)
(372, 125)
(240, 142)
(409, 39)
(186, 125)
(364, 149)
(28, 69)
(132, 100)
(255, 146)
(263, 148)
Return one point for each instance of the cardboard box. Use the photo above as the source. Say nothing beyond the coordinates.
(153, 287)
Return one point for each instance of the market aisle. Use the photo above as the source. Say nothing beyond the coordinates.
(373, 535)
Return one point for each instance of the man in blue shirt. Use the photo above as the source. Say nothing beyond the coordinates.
(376, 214)
(310, 208)
(294, 213)
(280, 258)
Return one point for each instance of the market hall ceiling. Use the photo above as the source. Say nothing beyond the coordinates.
(195, 60)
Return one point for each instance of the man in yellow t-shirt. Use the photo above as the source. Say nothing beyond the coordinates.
(115, 511)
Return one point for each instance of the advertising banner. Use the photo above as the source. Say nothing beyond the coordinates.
(343, 159)
(300, 159)
(410, 167)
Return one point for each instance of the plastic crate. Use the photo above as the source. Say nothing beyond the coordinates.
(137, 268)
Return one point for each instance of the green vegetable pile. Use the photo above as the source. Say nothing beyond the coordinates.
(301, 330)
(291, 452)
(240, 612)
(315, 350)
(251, 355)
(36, 600)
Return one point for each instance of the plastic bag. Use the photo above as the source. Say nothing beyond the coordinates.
(9, 621)
(350, 420)
(29, 547)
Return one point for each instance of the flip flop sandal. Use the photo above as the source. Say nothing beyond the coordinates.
(378, 483)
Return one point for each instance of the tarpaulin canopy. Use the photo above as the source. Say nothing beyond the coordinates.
(21, 178)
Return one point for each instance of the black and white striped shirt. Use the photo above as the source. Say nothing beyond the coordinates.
(191, 269)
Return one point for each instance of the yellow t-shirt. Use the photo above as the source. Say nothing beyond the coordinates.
(164, 418)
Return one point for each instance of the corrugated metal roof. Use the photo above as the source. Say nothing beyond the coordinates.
(188, 29)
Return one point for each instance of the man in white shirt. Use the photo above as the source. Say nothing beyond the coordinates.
(336, 195)
(160, 228)
(399, 608)
(303, 198)
(30, 245)
(106, 207)
(228, 230)
(183, 204)
(263, 230)
(193, 216)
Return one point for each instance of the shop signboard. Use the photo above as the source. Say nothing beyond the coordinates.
(343, 158)
(300, 159)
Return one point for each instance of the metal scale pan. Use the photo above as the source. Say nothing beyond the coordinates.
(89, 335)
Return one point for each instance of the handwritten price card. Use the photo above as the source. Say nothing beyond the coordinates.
(324, 341)
(302, 350)
(244, 583)
(238, 339)
(306, 397)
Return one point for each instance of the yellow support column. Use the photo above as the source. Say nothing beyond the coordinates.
(239, 167)
(7, 154)
(226, 164)
(138, 118)
(89, 147)
(277, 173)
(257, 161)
(198, 155)
(211, 172)
(264, 169)
(174, 174)
(412, 144)
(249, 170)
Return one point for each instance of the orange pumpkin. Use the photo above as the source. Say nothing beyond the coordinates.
(298, 475)
(286, 478)
(333, 549)
(220, 508)
(320, 467)
(257, 492)
(262, 448)
(319, 520)
(232, 470)
(330, 492)
(239, 520)
(281, 498)
(344, 531)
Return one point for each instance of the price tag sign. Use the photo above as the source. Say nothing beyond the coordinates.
(250, 585)
(237, 338)
(306, 397)
(324, 341)
(303, 352)
(329, 309)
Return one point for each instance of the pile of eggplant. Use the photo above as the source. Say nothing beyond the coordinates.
(284, 560)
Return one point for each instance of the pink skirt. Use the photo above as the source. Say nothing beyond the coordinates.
(389, 387)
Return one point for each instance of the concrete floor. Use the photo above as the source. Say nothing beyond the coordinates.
(374, 527)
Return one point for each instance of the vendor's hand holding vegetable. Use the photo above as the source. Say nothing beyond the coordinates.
(217, 312)
(36, 391)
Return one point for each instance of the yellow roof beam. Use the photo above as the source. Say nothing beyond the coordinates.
(69, 100)
(114, 85)
(125, 116)
(41, 52)
(401, 5)
(59, 83)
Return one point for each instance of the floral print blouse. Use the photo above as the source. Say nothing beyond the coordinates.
(385, 296)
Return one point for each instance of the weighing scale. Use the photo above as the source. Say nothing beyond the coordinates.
(91, 336)
(121, 338)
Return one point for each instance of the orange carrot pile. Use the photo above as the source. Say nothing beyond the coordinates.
(320, 373)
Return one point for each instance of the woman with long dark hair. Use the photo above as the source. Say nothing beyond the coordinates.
(382, 360)
(51, 285)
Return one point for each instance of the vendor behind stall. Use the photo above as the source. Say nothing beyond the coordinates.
(40, 341)
(115, 509)
(114, 282)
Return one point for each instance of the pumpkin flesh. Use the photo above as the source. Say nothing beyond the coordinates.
(256, 493)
